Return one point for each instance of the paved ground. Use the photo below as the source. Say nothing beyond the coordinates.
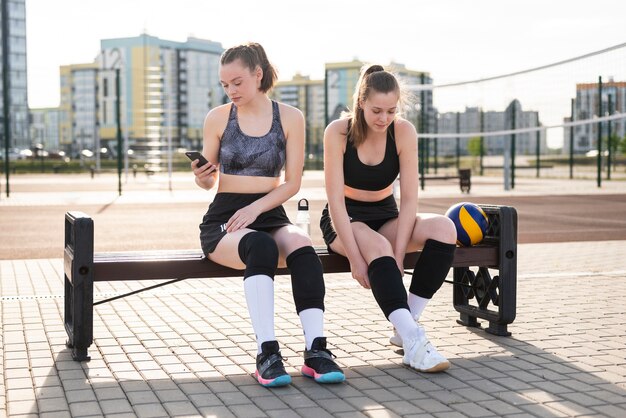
(186, 350)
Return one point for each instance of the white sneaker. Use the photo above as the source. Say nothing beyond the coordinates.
(421, 355)
(395, 339)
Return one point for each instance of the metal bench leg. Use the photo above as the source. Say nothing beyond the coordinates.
(468, 321)
(78, 266)
(497, 329)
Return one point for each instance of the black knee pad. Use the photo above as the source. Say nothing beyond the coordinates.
(307, 279)
(259, 252)
(431, 268)
(386, 283)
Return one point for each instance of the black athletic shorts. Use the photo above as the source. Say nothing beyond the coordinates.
(373, 214)
(213, 226)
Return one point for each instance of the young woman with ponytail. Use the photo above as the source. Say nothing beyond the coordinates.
(363, 154)
(247, 143)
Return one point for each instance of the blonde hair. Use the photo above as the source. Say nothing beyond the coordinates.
(373, 79)
(252, 55)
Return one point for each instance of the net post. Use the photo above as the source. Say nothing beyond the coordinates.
(599, 158)
(571, 143)
(608, 138)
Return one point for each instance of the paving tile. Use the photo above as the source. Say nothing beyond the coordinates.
(86, 395)
(269, 402)
(150, 410)
(180, 408)
(115, 406)
(52, 404)
(247, 411)
(143, 397)
(220, 411)
(202, 400)
(22, 408)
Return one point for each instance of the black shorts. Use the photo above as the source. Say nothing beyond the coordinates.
(373, 214)
(212, 228)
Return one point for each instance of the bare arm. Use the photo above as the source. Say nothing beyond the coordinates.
(406, 143)
(207, 175)
(334, 145)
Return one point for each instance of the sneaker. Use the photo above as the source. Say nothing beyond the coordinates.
(319, 363)
(395, 339)
(421, 355)
(270, 371)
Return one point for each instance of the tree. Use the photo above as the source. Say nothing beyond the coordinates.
(473, 146)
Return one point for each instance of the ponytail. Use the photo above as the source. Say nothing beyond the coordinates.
(373, 78)
(252, 55)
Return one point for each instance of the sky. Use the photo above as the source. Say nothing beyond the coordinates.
(453, 40)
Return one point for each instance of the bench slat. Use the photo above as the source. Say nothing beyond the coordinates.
(190, 264)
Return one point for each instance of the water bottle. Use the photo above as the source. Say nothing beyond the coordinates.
(303, 219)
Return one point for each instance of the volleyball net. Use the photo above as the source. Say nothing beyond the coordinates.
(567, 112)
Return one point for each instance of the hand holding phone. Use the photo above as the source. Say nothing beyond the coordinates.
(195, 155)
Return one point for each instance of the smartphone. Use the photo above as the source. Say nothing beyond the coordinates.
(195, 155)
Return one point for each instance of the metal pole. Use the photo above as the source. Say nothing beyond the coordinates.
(436, 150)
(326, 97)
(94, 133)
(168, 114)
(610, 141)
(420, 156)
(307, 124)
(513, 147)
(537, 151)
(599, 159)
(119, 131)
(571, 144)
(96, 137)
(458, 141)
(426, 147)
(482, 140)
(6, 86)
(420, 163)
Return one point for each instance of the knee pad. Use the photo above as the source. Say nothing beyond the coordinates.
(386, 283)
(307, 279)
(259, 252)
(431, 268)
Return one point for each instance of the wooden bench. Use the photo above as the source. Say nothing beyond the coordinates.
(464, 175)
(485, 275)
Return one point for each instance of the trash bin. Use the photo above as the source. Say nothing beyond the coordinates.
(465, 179)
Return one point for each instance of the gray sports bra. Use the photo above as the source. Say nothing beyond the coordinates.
(244, 155)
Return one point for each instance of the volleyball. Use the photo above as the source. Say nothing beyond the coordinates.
(470, 221)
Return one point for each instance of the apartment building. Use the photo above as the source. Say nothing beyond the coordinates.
(165, 88)
(587, 106)
(14, 22)
(475, 119)
(78, 109)
(308, 96)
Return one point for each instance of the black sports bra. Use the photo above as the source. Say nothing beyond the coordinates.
(371, 177)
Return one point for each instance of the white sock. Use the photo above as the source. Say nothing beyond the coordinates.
(259, 292)
(417, 304)
(312, 321)
(404, 323)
